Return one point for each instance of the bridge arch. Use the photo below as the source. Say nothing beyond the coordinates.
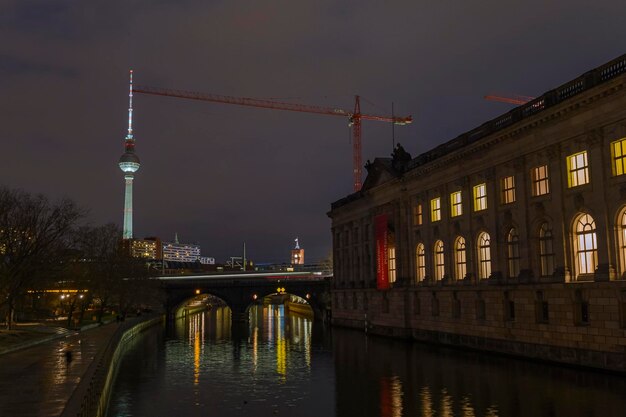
(239, 294)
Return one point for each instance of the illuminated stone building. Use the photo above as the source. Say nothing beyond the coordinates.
(510, 237)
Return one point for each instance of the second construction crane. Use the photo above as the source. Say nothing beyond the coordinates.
(354, 117)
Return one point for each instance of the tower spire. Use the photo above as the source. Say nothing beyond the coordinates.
(130, 107)
(129, 164)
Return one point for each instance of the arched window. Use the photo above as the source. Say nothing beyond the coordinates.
(392, 263)
(585, 245)
(621, 239)
(512, 252)
(460, 258)
(420, 262)
(484, 255)
(439, 260)
(546, 251)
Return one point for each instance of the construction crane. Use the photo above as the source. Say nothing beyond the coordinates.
(519, 100)
(354, 117)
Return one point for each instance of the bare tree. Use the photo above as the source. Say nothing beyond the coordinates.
(114, 278)
(34, 241)
(102, 256)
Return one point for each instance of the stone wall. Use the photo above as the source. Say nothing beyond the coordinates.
(91, 397)
(582, 324)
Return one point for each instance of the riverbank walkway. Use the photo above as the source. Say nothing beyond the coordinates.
(39, 380)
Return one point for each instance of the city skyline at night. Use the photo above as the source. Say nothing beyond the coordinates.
(222, 175)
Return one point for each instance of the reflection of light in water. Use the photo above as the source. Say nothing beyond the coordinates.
(268, 314)
(196, 358)
(492, 411)
(427, 402)
(203, 326)
(307, 343)
(61, 365)
(219, 317)
(196, 334)
(446, 404)
(391, 397)
(287, 337)
(281, 344)
(466, 407)
(255, 348)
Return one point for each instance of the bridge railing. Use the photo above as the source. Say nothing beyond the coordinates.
(248, 276)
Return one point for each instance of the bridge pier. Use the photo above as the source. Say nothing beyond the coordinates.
(239, 313)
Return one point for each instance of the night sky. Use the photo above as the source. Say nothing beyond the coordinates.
(220, 175)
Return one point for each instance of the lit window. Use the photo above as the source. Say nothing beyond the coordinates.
(577, 169)
(622, 240)
(455, 204)
(460, 258)
(546, 251)
(507, 188)
(540, 180)
(439, 260)
(484, 255)
(417, 214)
(420, 259)
(435, 209)
(618, 157)
(480, 197)
(586, 245)
(512, 243)
(392, 264)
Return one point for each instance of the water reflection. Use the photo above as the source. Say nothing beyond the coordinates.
(390, 397)
(387, 377)
(281, 364)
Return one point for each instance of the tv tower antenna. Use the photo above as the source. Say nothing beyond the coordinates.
(129, 164)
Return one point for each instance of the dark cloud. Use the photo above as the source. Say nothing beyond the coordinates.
(221, 175)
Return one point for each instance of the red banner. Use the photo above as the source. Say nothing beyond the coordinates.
(382, 254)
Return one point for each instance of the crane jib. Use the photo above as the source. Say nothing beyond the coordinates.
(355, 116)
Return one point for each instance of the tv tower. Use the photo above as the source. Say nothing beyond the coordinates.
(129, 164)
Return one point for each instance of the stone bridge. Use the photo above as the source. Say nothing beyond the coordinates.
(240, 290)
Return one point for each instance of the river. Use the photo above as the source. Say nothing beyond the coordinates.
(284, 365)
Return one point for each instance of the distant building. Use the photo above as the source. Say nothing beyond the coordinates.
(148, 248)
(297, 255)
(205, 260)
(184, 252)
(180, 252)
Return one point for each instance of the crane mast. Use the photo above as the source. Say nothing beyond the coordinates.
(354, 117)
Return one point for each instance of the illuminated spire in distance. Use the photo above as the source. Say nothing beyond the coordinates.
(130, 107)
(129, 164)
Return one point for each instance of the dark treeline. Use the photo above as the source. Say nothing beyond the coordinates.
(45, 249)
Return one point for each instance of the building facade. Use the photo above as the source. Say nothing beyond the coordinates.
(297, 254)
(510, 237)
(181, 252)
(148, 248)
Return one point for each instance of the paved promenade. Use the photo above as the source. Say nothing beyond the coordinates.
(38, 381)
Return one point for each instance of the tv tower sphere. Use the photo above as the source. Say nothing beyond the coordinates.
(129, 164)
